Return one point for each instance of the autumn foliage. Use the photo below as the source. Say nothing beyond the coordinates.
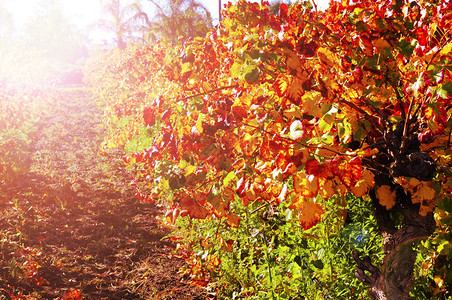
(299, 107)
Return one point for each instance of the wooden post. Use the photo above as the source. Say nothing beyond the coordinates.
(219, 10)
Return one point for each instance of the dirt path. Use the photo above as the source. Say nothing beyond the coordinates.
(72, 222)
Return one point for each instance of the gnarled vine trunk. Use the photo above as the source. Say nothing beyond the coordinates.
(395, 279)
(399, 156)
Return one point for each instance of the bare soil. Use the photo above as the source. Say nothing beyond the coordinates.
(72, 224)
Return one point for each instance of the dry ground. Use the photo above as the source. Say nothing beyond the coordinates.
(72, 221)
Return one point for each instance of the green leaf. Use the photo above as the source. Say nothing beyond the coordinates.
(326, 108)
(324, 126)
(406, 48)
(445, 204)
(448, 88)
(327, 139)
(297, 259)
(318, 264)
(227, 180)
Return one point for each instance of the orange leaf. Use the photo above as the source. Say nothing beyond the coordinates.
(233, 220)
(427, 207)
(348, 172)
(326, 56)
(328, 189)
(363, 185)
(228, 194)
(295, 91)
(219, 206)
(386, 197)
(250, 143)
(231, 141)
(424, 192)
(194, 209)
(226, 245)
(310, 213)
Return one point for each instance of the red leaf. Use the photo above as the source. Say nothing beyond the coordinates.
(149, 116)
(422, 36)
(308, 49)
(283, 9)
(312, 167)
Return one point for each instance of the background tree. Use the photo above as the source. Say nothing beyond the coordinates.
(6, 25)
(50, 33)
(121, 20)
(46, 50)
(177, 18)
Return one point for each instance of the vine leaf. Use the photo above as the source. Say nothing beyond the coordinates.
(233, 220)
(309, 212)
(306, 186)
(364, 184)
(386, 197)
(191, 206)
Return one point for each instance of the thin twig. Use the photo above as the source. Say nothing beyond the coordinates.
(208, 92)
(393, 85)
(262, 206)
(360, 110)
(405, 127)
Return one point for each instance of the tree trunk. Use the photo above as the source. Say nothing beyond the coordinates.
(395, 279)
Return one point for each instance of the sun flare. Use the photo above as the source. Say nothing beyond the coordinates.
(42, 40)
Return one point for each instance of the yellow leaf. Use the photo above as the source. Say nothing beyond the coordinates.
(199, 123)
(293, 112)
(185, 67)
(446, 49)
(386, 197)
(366, 151)
(189, 169)
(306, 186)
(326, 56)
